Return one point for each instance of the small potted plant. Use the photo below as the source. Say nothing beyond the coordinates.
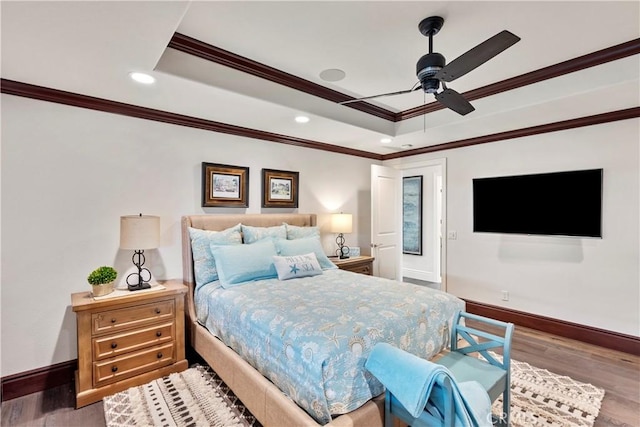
(101, 280)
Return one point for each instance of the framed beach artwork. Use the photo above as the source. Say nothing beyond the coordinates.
(225, 186)
(279, 189)
(412, 215)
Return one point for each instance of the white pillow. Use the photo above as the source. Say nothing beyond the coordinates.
(290, 267)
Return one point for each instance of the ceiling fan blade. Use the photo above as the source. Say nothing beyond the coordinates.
(401, 92)
(454, 101)
(477, 56)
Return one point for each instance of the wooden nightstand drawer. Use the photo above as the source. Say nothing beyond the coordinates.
(360, 264)
(113, 345)
(362, 269)
(132, 364)
(140, 315)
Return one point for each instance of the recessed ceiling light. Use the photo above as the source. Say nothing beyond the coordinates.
(385, 140)
(332, 75)
(142, 78)
(302, 119)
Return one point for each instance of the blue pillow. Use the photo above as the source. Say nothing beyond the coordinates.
(291, 267)
(304, 246)
(296, 232)
(253, 234)
(204, 267)
(243, 263)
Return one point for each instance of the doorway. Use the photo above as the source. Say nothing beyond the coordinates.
(429, 267)
(423, 266)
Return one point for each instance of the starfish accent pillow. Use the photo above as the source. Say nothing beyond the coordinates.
(290, 267)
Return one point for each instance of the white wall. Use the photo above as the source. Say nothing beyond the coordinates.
(588, 281)
(68, 174)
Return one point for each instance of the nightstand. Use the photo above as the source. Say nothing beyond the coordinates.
(126, 341)
(358, 264)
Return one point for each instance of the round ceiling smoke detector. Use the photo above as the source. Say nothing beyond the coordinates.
(332, 75)
(406, 146)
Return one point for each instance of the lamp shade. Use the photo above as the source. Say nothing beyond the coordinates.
(341, 223)
(139, 232)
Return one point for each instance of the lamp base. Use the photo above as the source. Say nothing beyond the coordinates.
(142, 283)
(139, 286)
(343, 250)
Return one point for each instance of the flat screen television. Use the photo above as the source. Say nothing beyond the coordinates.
(558, 203)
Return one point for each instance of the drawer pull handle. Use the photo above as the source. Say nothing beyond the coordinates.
(158, 311)
(159, 334)
(159, 355)
(114, 369)
(114, 344)
(113, 320)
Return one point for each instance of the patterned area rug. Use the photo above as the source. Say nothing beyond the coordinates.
(198, 397)
(542, 398)
(195, 397)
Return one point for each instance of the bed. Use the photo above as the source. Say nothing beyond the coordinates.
(270, 405)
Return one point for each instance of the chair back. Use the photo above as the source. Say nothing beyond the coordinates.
(474, 343)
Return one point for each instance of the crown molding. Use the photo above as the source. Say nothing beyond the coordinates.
(215, 54)
(12, 87)
(220, 56)
(597, 119)
(599, 57)
(41, 93)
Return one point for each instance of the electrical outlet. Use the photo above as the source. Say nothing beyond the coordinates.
(505, 295)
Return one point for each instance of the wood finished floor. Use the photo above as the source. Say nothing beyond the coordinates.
(618, 373)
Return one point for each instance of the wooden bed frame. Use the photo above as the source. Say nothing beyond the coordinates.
(265, 401)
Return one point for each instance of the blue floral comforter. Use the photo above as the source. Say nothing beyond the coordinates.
(311, 336)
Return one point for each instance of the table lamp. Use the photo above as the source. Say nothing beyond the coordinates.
(341, 223)
(139, 232)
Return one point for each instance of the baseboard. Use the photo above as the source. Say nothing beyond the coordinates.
(39, 379)
(601, 337)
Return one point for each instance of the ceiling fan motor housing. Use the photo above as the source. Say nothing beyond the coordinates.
(427, 67)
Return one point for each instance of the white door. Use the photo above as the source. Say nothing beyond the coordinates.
(386, 231)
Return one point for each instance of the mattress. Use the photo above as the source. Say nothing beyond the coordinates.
(311, 336)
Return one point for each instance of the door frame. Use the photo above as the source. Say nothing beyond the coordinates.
(442, 162)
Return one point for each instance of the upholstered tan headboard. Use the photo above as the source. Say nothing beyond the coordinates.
(220, 222)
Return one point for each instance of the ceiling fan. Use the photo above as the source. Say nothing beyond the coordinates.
(431, 69)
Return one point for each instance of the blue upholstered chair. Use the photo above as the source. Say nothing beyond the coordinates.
(462, 361)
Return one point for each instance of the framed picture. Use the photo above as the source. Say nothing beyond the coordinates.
(412, 215)
(279, 189)
(224, 186)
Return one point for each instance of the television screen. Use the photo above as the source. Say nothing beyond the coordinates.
(558, 203)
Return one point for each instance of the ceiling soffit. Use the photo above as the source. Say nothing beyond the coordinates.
(223, 57)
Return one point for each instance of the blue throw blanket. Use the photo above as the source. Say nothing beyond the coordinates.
(411, 380)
